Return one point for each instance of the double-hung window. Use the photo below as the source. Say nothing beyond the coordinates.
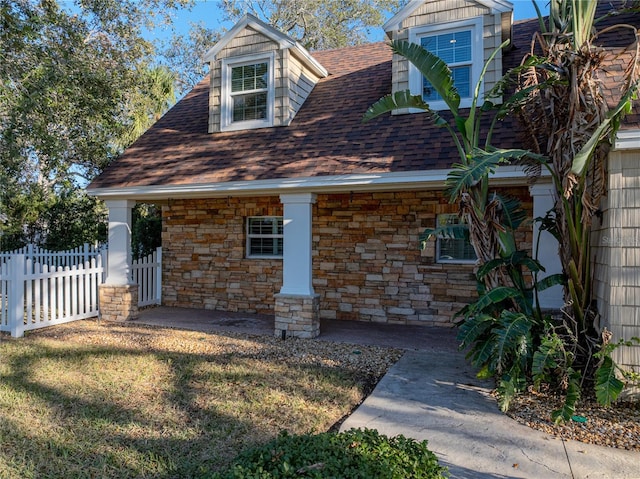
(453, 248)
(247, 92)
(265, 236)
(460, 46)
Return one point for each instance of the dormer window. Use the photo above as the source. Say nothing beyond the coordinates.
(460, 46)
(247, 92)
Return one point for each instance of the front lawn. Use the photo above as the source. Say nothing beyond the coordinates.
(89, 400)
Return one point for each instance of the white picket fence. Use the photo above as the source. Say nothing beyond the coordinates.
(37, 291)
(72, 257)
(147, 274)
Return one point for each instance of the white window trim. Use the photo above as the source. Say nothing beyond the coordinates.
(449, 261)
(477, 56)
(226, 110)
(249, 236)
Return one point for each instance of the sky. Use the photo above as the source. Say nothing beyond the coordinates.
(207, 12)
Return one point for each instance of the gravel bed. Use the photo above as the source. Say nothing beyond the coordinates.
(367, 363)
(617, 426)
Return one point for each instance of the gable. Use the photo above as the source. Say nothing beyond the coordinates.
(287, 75)
(488, 21)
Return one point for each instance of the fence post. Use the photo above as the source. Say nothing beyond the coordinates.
(16, 295)
(159, 275)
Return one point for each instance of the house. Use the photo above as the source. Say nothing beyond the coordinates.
(277, 199)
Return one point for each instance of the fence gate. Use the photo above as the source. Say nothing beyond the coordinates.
(40, 288)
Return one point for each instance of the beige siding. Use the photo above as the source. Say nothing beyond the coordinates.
(492, 35)
(301, 82)
(293, 81)
(247, 42)
(617, 255)
(445, 11)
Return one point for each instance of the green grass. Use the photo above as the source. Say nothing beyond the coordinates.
(83, 400)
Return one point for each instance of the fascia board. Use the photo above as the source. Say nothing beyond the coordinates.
(278, 37)
(429, 179)
(393, 24)
(628, 140)
(249, 21)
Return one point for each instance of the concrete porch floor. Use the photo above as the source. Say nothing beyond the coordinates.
(355, 332)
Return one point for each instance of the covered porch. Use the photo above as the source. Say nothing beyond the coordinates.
(355, 332)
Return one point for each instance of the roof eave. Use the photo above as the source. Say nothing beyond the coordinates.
(427, 179)
(394, 23)
(283, 41)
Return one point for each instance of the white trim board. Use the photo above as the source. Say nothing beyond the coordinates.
(395, 22)
(411, 180)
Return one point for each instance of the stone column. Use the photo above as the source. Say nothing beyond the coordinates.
(545, 246)
(297, 306)
(118, 296)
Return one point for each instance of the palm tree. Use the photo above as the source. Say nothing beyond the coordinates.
(568, 120)
(491, 220)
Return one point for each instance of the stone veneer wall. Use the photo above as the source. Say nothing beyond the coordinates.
(118, 302)
(367, 264)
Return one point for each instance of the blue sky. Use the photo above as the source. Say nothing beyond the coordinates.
(207, 12)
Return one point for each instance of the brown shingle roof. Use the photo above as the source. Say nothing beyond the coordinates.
(325, 138)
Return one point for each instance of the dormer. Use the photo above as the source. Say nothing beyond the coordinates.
(464, 33)
(260, 77)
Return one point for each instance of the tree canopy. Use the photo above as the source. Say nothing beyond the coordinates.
(316, 24)
(77, 85)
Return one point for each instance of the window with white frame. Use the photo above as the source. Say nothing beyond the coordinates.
(265, 236)
(247, 92)
(452, 249)
(460, 46)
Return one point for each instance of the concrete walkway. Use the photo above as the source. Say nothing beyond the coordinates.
(432, 393)
(438, 398)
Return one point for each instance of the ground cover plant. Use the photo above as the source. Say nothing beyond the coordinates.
(89, 400)
(354, 453)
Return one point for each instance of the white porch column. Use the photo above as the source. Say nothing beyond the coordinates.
(297, 261)
(118, 297)
(297, 307)
(545, 246)
(119, 252)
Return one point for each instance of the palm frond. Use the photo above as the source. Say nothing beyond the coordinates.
(480, 165)
(396, 101)
(608, 386)
(515, 326)
(433, 69)
(609, 124)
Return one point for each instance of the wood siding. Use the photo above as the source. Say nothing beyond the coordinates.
(446, 11)
(617, 255)
(293, 81)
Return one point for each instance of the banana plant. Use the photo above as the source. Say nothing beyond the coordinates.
(468, 180)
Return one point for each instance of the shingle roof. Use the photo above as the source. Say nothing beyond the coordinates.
(326, 137)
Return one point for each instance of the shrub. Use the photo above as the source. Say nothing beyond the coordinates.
(351, 454)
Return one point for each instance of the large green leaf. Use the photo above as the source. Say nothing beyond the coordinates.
(517, 259)
(473, 328)
(482, 354)
(495, 296)
(433, 69)
(396, 101)
(514, 327)
(572, 396)
(453, 231)
(479, 166)
(547, 282)
(583, 17)
(545, 359)
(509, 386)
(608, 386)
(606, 128)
